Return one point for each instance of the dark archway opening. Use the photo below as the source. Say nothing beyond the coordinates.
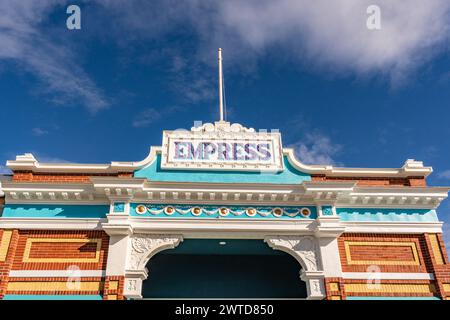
(236, 269)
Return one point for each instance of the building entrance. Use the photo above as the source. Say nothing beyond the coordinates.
(223, 269)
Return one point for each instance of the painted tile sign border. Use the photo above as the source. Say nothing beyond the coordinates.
(231, 151)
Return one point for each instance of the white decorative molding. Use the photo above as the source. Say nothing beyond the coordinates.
(29, 163)
(3, 179)
(43, 192)
(102, 190)
(222, 126)
(52, 223)
(328, 227)
(305, 250)
(143, 247)
(392, 227)
(216, 228)
(410, 168)
(315, 284)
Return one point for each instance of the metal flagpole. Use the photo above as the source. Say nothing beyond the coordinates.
(220, 85)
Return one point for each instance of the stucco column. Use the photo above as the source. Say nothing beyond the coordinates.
(328, 229)
(119, 229)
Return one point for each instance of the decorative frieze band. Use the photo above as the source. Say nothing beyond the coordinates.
(211, 211)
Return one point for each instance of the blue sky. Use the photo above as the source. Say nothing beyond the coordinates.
(338, 92)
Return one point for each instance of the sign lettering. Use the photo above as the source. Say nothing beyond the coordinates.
(243, 151)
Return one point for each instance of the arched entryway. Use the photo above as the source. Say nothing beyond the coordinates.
(201, 268)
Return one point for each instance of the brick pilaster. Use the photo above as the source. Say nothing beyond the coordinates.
(5, 266)
(334, 289)
(437, 262)
(113, 289)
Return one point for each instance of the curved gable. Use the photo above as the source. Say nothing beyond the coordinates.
(289, 175)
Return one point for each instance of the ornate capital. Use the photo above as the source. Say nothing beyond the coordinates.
(144, 246)
(304, 249)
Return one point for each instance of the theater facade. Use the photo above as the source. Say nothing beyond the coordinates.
(220, 211)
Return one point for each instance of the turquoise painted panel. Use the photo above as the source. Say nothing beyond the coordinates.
(327, 211)
(51, 297)
(119, 207)
(374, 214)
(214, 212)
(289, 176)
(54, 211)
(392, 298)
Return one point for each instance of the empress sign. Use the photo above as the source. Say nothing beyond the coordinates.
(222, 147)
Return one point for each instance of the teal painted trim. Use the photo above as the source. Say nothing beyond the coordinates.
(392, 298)
(373, 214)
(54, 211)
(50, 297)
(327, 211)
(119, 207)
(212, 212)
(288, 176)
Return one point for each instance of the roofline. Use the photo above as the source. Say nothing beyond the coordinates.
(27, 162)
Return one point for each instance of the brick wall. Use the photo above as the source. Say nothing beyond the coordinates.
(423, 253)
(26, 176)
(8, 245)
(114, 287)
(55, 250)
(87, 250)
(390, 253)
(55, 286)
(367, 181)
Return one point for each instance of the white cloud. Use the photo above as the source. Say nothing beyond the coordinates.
(151, 115)
(446, 228)
(335, 33)
(444, 174)
(146, 118)
(24, 40)
(331, 34)
(316, 148)
(39, 132)
(4, 170)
